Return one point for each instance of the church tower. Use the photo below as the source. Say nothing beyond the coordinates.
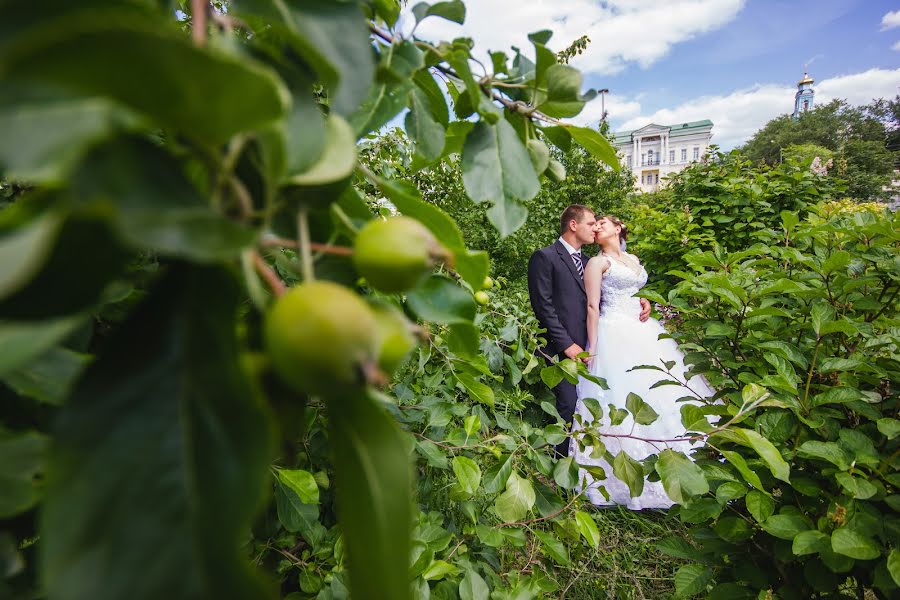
(803, 100)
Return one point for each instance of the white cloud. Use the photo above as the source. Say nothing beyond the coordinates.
(896, 46)
(738, 115)
(890, 20)
(622, 32)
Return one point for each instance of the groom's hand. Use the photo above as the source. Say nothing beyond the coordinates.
(645, 309)
(573, 351)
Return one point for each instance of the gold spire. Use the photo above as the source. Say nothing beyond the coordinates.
(806, 77)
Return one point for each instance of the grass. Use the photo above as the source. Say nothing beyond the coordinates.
(627, 564)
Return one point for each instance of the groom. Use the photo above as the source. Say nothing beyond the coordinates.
(559, 301)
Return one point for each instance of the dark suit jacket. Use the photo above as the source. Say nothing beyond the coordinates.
(557, 297)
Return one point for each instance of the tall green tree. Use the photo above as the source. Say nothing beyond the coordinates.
(863, 139)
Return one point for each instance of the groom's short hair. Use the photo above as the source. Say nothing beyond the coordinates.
(572, 212)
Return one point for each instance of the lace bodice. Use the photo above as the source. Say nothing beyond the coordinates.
(617, 289)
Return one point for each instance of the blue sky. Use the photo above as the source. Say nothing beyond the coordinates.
(735, 62)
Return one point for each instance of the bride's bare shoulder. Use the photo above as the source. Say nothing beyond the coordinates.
(598, 263)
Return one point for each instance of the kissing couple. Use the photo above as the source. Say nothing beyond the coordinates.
(590, 305)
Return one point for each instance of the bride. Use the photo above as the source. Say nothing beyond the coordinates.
(618, 341)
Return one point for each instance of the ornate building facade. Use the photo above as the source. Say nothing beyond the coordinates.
(655, 151)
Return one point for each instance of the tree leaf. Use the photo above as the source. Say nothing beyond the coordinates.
(302, 483)
(21, 462)
(338, 158)
(331, 37)
(24, 250)
(479, 391)
(850, 542)
(587, 528)
(893, 565)
(563, 96)
(760, 505)
(496, 168)
(642, 412)
(373, 482)
(746, 472)
(630, 471)
(681, 477)
(565, 473)
(769, 453)
(421, 127)
(144, 63)
(691, 579)
(553, 546)
(24, 341)
(473, 587)
(596, 144)
(49, 377)
(496, 476)
(890, 428)
(786, 526)
(184, 448)
(467, 473)
(810, 542)
(440, 300)
(513, 504)
(827, 451)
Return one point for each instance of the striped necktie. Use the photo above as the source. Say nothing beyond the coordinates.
(576, 256)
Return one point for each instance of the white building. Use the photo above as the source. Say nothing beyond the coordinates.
(654, 151)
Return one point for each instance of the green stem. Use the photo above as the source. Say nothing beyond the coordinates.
(812, 366)
(303, 239)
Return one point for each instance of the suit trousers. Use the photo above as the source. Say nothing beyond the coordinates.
(566, 396)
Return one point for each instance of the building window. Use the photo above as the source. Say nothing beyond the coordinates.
(671, 156)
(805, 105)
(628, 160)
(649, 157)
(696, 153)
(644, 158)
(684, 155)
(657, 178)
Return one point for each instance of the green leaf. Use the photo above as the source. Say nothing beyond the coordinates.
(304, 131)
(630, 471)
(25, 341)
(373, 482)
(760, 505)
(477, 390)
(338, 158)
(769, 453)
(489, 536)
(156, 207)
(836, 395)
(49, 377)
(681, 477)
(643, 413)
(496, 168)
(730, 490)
(563, 97)
(810, 542)
(559, 136)
(472, 425)
(473, 587)
(890, 428)
(893, 565)
(827, 451)
(21, 463)
(849, 542)
(565, 473)
(821, 313)
(296, 516)
(596, 144)
(678, 547)
(146, 65)
(587, 528)
(539, 154)
(435, 571)
(24, 250)
(440, 300)
(856, 487)
(331, 37)
(302, 483)
(547, 500)
(467, 473)
(691, 580)
(786, 526)
(437, 103)
(452, 10)
(422, 128)
(513, 504)
(553, 546)
(746, 472)
(552, 375)
(184, 448)
(43, 138)
(496, 476)
(616, 415)
(733, 529)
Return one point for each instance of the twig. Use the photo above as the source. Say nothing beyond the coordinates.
(265, 271)
(198, 21)
(303, 239)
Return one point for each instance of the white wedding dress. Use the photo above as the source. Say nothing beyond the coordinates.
(623, 342)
